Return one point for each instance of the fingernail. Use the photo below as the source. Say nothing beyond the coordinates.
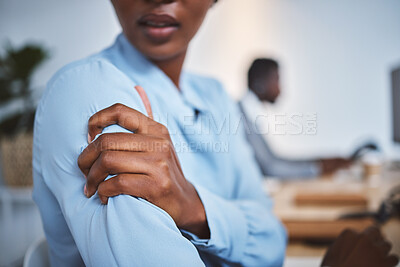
(104, 200)
(85, 191)
(88, 138)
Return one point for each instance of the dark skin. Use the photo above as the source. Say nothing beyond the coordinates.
(271, 89)
(145, 163)
(366, 249)
(270, 93)
(168, 55)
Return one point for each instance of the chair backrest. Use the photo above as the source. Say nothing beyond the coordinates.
(37, 255)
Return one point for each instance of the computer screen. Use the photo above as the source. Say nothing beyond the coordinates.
(396, 104)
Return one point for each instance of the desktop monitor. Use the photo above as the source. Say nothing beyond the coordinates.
(396, 104)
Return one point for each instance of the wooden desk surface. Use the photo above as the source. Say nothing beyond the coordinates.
(313, 220)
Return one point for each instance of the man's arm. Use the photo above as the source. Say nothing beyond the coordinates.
(273, 165)
(269, 163)
(128, 231)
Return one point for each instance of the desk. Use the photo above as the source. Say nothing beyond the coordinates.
(296, 217)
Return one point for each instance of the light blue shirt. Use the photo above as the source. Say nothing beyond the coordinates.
(130, 231)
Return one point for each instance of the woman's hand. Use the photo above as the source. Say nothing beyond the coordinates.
(145, 165)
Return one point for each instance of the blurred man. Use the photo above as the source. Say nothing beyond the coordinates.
(263, 83)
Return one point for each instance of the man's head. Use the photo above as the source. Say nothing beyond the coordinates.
(263, 79)
(161, 29)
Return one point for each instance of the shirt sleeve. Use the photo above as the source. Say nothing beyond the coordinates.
(243, 230)
(272, 165)
(128, 231)
(289, 169)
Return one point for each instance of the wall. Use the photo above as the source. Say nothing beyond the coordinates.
(335, 59)
(70, 29)
(335, 56)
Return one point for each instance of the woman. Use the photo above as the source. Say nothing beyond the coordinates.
(178, 187)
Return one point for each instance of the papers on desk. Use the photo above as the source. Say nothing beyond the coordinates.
(302, 262)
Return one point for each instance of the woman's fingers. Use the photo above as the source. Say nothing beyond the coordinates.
(137, 185)
(116, 162)
(124, 116)
(114, 142)
(116, 114)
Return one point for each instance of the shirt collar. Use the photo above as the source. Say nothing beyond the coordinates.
(191, 93)
(149, 76)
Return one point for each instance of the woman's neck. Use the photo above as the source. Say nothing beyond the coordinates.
(172, 67)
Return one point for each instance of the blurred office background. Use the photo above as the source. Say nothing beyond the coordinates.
(335, 57)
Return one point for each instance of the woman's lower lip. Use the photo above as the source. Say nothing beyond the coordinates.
(159, 34)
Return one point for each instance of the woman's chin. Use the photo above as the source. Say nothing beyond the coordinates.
(162, 52)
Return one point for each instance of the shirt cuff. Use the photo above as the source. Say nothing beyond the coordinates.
(227, 224)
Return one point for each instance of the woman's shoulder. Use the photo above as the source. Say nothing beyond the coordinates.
(84, 78)
(83, 87)
(90, 68)
(79, 90)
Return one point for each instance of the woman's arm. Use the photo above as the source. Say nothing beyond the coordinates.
(242, 230)
(145, 164)
(128, 231)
